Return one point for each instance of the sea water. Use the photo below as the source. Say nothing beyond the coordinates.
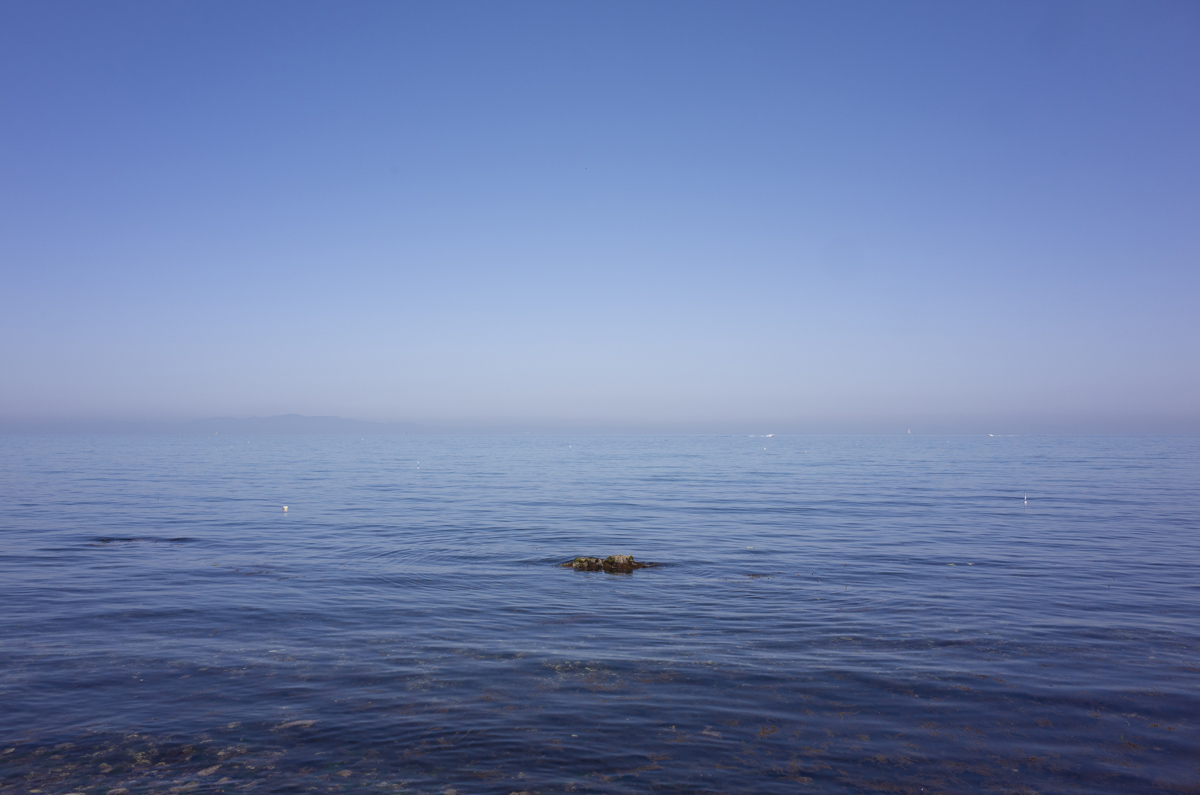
(836, 614)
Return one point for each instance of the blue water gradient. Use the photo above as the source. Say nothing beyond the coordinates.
(835, 614)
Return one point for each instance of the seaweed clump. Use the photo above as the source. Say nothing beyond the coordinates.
(613, 564)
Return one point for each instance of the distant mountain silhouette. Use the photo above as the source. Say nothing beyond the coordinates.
(294, 424)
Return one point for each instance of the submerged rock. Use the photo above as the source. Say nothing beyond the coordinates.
(613, 564)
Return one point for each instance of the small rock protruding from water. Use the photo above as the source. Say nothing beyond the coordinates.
(613, 564)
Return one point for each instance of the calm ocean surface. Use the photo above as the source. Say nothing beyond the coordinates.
(837, 614)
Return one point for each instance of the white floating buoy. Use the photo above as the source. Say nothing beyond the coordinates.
(285, 509)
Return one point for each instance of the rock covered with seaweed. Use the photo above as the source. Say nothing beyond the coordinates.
(613, 564)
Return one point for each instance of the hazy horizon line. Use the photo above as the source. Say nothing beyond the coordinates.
(301, 424)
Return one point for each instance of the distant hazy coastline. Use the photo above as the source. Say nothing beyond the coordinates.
(284, 424)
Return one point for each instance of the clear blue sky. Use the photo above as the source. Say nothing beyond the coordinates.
(842, 215)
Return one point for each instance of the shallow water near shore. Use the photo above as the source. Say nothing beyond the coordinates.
(836, 614)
